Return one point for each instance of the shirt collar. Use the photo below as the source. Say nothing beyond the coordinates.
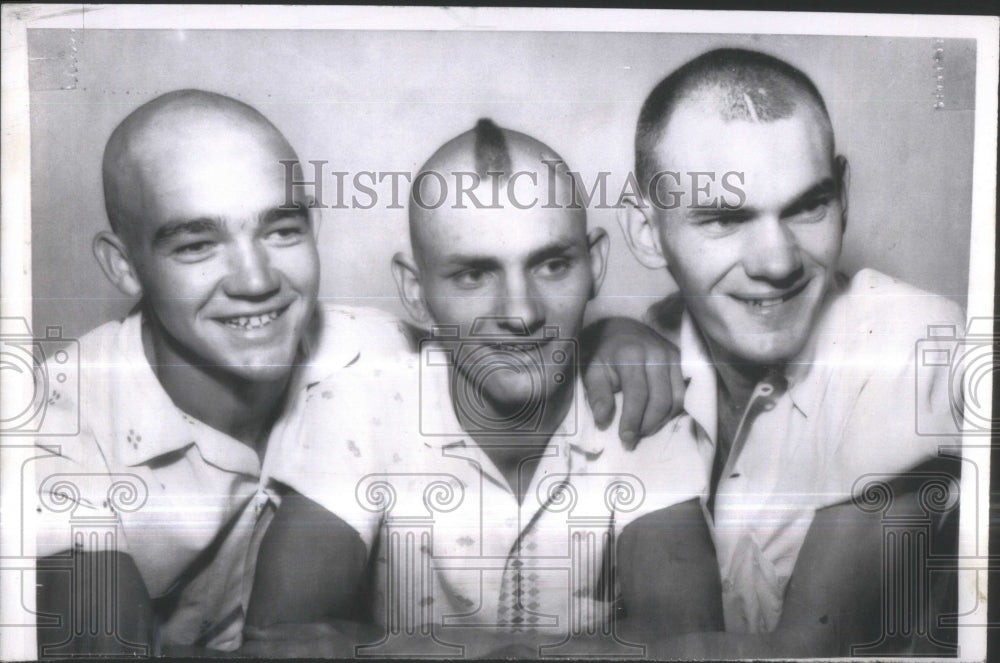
(701, 395)
(807, 372)
(153, 426)
(804, 372)
(326, 347)
(577, 429)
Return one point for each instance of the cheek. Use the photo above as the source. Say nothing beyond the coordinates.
(696, 264)
(567, 300)
(449, 305)
(300, 266)
(178, 286)
(822, 243)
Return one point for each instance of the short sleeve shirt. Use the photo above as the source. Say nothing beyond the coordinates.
(184, 500)
(850, 407)
(424, 496)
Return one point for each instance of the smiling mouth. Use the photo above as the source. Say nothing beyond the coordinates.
(770, 302)
(510, 347)
(250, 322)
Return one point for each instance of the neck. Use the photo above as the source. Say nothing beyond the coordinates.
(241, 408)
(516, 452)
(737, 378)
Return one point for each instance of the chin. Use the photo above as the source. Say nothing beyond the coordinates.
(263, 370)
(775, 351)
(514, 393)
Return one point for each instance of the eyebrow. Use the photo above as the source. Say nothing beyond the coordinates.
(276, 214)
(823, 188)
(554, 250)
(208, 224)
(192, 227)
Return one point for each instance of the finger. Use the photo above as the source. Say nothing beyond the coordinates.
(635, 396)
(660, 407)
(600, 383)
(678, 387)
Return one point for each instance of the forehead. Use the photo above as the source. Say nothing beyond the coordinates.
(773, 157)
(210, 170)
(505, 235)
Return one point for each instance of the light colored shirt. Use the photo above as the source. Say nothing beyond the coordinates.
(848, 407)
(187, 502)
(445, 525)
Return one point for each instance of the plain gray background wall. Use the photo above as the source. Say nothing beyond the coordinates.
(383, 101)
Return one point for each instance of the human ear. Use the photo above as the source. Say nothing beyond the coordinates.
(641, 234)
(112, 255)
(407, 277)
(598, 243)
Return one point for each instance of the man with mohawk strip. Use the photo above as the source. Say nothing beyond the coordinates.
(498, 572)
(183, 399)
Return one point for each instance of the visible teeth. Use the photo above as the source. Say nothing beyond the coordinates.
(508, 347)
(253, 321)
(764, 303)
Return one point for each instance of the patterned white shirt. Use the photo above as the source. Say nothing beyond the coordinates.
(384, 450)
(187, 502)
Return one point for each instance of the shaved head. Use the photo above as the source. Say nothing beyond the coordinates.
(734, 85)
(171, 131)
(488, 156)
(501, 251)
(226, 268)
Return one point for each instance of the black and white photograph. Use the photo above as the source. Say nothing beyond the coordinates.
(504, 333)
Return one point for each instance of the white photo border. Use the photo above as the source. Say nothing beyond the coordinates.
(17, 638)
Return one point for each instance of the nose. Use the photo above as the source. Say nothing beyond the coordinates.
(772, 251)
(520, 308)
(250, 274)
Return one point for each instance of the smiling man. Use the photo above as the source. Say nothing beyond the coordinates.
(801, 379)
(181, 400)
(486, 438)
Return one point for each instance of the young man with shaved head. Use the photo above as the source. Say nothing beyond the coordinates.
(802, 380)
(180, 399)
(503, 567)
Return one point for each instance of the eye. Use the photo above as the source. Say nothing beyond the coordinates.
(194, 250)
(554, 268)
(813, 210)
(470, 278)
(721, 225)
(285, 233)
